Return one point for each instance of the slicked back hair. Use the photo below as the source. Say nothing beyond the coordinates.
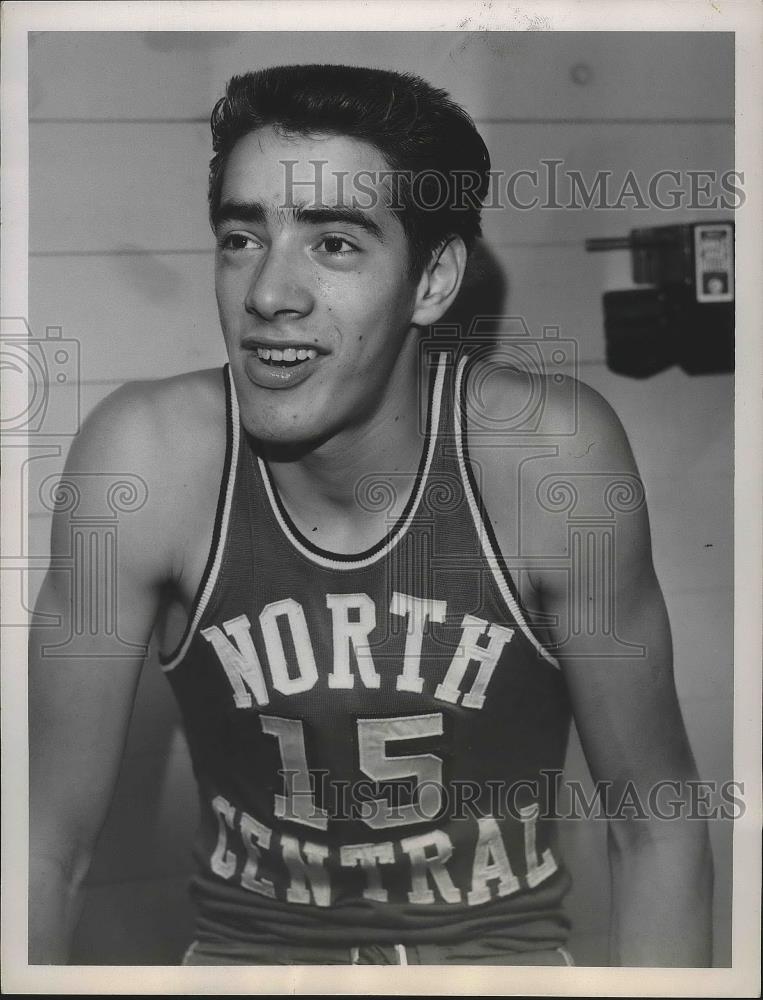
(440, 161)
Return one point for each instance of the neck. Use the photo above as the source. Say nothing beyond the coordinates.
(348, 491)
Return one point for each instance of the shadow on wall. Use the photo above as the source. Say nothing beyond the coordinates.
(149, 273)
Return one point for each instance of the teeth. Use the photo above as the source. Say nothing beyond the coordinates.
(290, 354)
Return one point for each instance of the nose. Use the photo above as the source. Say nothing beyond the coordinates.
(279, 287)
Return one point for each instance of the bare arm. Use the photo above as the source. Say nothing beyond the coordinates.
(626, 709)
(577, 532)
(80, 705)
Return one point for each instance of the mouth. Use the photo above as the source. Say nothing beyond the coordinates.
(280, 367)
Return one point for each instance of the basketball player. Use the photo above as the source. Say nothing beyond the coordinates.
(374, 693)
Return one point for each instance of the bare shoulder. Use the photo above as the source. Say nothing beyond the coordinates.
(167, 437)
(150, 420)
(573, 424)
(544, 450)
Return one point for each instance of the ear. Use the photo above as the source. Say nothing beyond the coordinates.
(440, 282)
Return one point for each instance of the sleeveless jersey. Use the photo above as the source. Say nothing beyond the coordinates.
(375, 736)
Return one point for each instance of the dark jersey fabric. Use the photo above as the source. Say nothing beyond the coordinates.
(374, 736)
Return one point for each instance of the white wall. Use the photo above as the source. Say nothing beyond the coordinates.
(121, 260)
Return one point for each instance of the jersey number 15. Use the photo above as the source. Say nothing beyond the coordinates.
(299, 805)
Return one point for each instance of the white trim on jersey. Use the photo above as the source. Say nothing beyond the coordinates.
(214, 572)
(395, 536)
(487, 549)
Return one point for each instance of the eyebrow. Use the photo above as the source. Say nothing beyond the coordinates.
(321, 215)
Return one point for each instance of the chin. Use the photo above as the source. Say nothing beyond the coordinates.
(291, 438)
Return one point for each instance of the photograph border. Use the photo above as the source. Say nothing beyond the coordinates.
(745, 18)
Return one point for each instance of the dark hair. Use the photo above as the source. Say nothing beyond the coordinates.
(443, 163)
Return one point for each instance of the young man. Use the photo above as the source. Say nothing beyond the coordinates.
(374, 700)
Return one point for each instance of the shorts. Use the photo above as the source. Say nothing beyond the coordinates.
(477, 952)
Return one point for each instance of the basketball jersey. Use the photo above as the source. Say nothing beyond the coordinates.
(375, 736)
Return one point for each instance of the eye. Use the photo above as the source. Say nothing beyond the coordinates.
(237, 241)
(336, 246)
